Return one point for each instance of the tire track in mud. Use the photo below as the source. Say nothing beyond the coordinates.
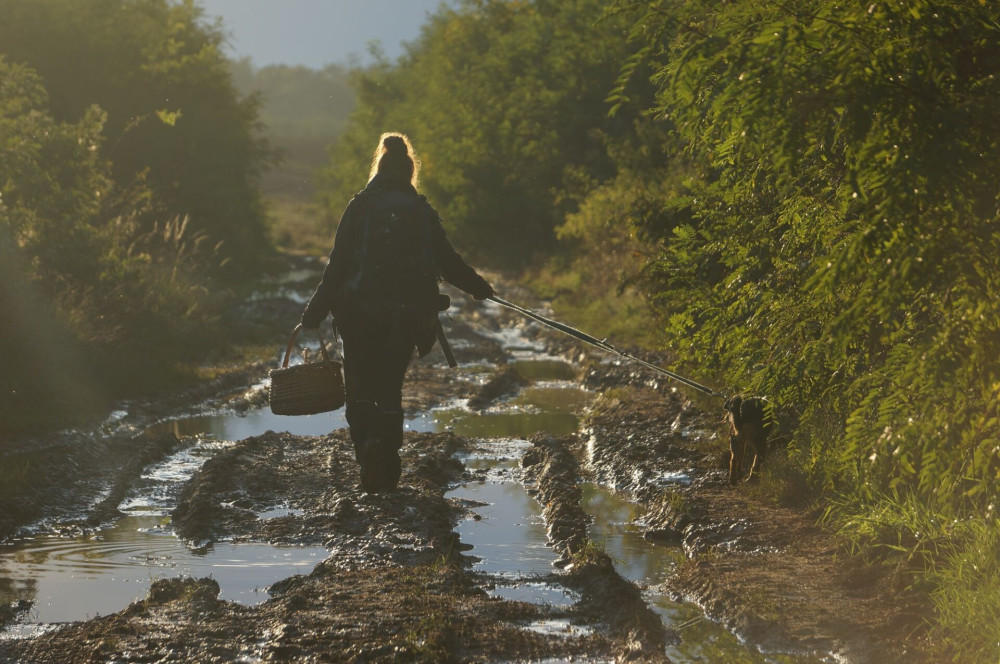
(396, 586)
(553, 469)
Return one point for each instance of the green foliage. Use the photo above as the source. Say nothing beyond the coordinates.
(128, 190)
(856, 238)
(90, 280)
(956, 561)
(836, 245)
(966, 586)
(172, 115)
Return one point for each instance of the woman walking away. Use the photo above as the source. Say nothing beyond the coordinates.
(381, 285)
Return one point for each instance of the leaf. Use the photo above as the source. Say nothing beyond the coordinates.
(169, 118)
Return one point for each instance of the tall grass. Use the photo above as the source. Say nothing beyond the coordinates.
(955, 562)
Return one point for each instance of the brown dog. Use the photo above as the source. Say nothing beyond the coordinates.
(749, 425)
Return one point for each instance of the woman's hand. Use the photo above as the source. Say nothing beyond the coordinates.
(484, 292)
(309, 320)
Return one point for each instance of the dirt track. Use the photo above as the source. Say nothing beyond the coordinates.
(397, 585)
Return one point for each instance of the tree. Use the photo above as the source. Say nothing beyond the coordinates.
(100, 294)
(173, 115)
(852, 221)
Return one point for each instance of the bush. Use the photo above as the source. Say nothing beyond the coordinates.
(99, 297)
(172, 116)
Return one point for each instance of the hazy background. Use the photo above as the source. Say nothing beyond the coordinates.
(296, 56)
(316, 33)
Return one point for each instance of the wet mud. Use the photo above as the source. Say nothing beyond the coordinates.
(398, 583)
(766, 571)
(395, 586)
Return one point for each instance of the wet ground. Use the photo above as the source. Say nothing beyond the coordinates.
(554, 507)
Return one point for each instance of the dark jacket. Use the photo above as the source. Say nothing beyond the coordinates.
(345, 259)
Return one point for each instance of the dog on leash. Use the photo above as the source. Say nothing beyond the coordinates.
(749, 425)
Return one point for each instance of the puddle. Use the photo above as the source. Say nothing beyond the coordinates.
(295, 285)
(537, 593)
(669, 478)
(703, 640)
(155, 492)
(77, 578)
(554, 397)
(560, 627)
(70, 579)
(513, 424)
(508, 532)
(545, 369)
(636, 558)
(233, 426)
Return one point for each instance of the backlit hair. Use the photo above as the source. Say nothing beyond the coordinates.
(394, 157)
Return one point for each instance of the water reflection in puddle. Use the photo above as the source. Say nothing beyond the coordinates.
(561, 627)
(508, 532)
(71, 579)
(613, 529)
(233, 426)
(76, 578)
(537, 593)
(554, 397)
(703, 640)
(506, 424)
(545, 369)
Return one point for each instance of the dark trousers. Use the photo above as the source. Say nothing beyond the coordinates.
(375, 361)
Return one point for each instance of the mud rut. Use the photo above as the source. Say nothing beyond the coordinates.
(398, 583)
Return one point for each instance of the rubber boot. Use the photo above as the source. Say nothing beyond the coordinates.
(371, 464)
(391, 425)
(381, 465)
(361, 417)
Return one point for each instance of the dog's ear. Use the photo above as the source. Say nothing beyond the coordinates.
(733, 404)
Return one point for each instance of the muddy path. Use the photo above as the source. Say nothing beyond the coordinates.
(418, 575)
(764, 569)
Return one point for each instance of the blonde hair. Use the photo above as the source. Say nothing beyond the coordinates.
(394, 156)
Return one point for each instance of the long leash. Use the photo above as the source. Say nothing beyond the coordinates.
(602, 344)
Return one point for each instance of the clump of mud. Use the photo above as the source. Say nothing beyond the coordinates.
(315, 480)
(504, 382)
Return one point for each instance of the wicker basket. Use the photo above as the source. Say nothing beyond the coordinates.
(306, 389)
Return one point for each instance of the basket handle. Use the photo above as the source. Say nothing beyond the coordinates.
(291, 343)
